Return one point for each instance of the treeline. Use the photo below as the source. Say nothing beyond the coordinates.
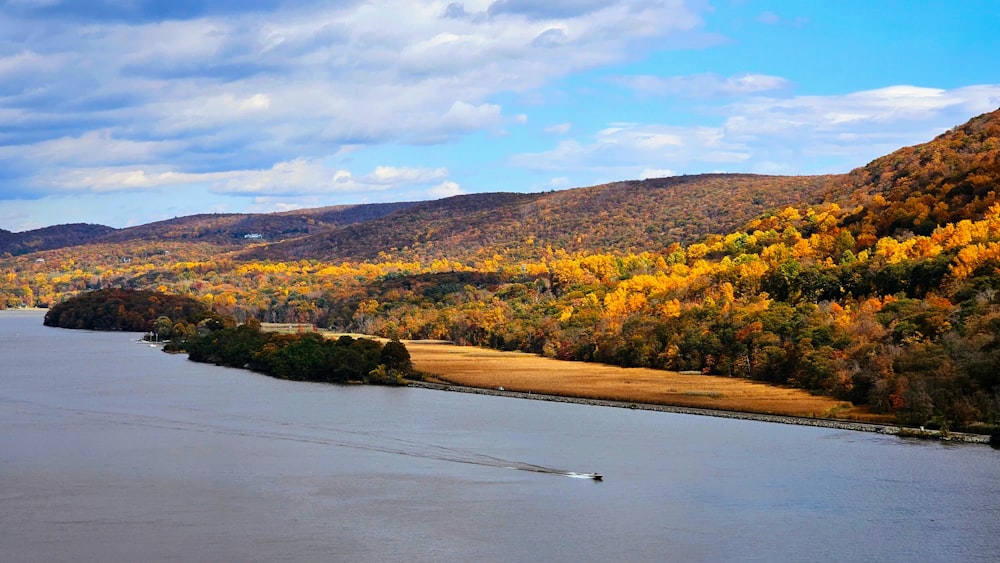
(300, 357)
(127, 310)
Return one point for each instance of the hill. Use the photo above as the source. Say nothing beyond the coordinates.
(240, 228)
(949, 179)
(227, 230)
(56, 236)
(629, 216)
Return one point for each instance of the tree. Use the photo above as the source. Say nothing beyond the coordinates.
(395, 356)
(163, 327)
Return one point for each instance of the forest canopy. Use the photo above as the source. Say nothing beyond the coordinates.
(126, 310)
(301, 357)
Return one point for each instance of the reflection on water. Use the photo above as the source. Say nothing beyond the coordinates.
(114, 451)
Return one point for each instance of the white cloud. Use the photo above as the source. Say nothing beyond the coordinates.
(118, 179)
(445, 189)
(299, 177)
(885, 112)
(25, 62)
(91, 148)
(462, 116)
(627, 149)
(391, 175)
(656, 173)
(559, 128)
(705, 85)
(794, 135)
(251, 101)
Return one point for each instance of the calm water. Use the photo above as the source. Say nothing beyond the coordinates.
(111, 450)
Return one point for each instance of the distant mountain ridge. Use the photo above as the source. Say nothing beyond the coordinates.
(224, 229)
(49, 238)
(621, 216)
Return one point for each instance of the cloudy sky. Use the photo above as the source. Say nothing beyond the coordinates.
(122, 112)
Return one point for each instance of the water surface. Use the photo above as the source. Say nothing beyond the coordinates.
(111, 450)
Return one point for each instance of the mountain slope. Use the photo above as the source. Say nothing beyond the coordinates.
(621, 216)
(232, 228)
(956, 176)
(56, 236)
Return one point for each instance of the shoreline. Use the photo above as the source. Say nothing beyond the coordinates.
(888, 429)
(667, 407)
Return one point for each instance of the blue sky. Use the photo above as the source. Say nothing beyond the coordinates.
(123, 112)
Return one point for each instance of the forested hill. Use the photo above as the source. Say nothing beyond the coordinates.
(57, 236)
(227, 230)
(628, 216)
(952, 178)
(230, 228)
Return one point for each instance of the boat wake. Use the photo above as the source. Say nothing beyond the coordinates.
(318, 434)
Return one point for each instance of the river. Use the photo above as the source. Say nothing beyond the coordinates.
(111, 450)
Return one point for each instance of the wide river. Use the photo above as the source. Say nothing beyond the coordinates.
(111, 450)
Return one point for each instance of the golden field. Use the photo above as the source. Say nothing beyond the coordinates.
(517, 371)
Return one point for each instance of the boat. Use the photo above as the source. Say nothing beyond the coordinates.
(596, 476)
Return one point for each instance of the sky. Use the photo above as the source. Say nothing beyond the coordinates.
(125, 112)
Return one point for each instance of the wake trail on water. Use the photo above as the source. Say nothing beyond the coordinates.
(328, 436)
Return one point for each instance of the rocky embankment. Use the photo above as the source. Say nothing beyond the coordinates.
(802, 421)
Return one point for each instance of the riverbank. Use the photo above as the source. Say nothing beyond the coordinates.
(780, 419)
(518, 375)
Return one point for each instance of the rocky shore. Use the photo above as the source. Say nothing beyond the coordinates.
(781, 419)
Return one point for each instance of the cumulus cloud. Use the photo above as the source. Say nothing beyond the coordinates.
(259, 92)
(885, 117)
(305, 177)
(445, 189)
(297, 177)
(791, 135)
(91, 148)
(390, 175)
(628, 149)
(463, 117)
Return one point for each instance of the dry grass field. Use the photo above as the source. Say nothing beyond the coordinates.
(516, 371)
(471, 366)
